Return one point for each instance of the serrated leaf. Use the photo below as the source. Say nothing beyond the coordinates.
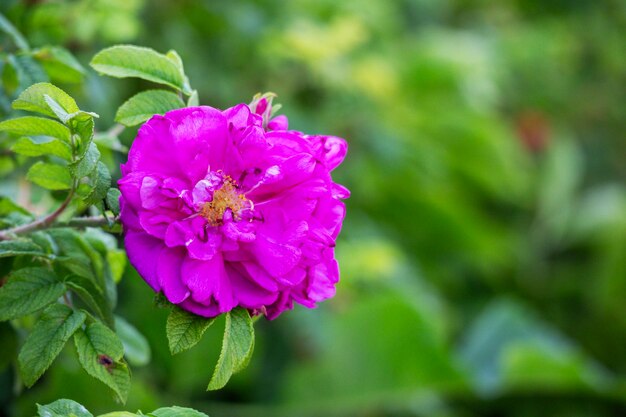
(32, 99)
(133, 61)
(28, 290)
(16, 247)
(184, 330)
(100, 352)
(55, 326)
(60, 64)
(136, 347)
(86, 164)
(36, 126)
(92, 296)
(146, 104)
(113, 200)
(173, 56)
(101, 182)
(79, 256)
(50, 176)
(176, 411)
(39, 146)
(237, 347)
(56, 108)
(63, 408)
(7, 27)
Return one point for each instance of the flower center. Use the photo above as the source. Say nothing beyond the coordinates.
(225, 198)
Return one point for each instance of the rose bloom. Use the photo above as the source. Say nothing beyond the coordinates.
(227, 208)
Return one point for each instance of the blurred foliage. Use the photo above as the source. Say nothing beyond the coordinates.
(484, 253)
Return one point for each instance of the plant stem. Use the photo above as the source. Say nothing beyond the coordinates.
(93, 221)
(39, 224)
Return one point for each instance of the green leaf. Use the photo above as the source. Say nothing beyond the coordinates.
(136, 347)
(82, 124)
(133, 61)
(10, 80)
(101, 181)
(176, 412)
(173, 56)
(58, 110)
(63, 408)
(10, 248)
(146, 104)
(117, 262)
(86, 164)
(113, 200)
(79, 256)
(184, 330)
(50, 176)
(36, 126)
(60, 64)
(55, 326)
(108, 141)
(28, 70)
(193, 99)
(119, 414)
(237, 347)
(32, 99)
(28, 290)
(93, 296)
(7, 206)
(39, 146)
(100, 352)
(7, 27)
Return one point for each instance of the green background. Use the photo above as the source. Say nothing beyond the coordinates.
(483, 257)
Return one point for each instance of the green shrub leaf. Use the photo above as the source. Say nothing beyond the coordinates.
(93, 296)
(39, 146)
(184, 330)
(100, 181)
(36, 126)
(100, 352)
(10, 248)
(133, 61)
(176, 412)
(60, 64)
(63, 408)
(113, 200)
(146, 104)
(50, 176)
(87, 163)
(237, 347)
(28, 290)
(32, 99)
(55, 326)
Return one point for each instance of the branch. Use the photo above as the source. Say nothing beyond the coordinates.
(45, 223)
(93, 221)
(42, 223)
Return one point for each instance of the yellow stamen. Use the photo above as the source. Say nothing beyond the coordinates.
(224, 198)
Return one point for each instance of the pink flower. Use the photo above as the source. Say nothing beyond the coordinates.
(220, 212)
